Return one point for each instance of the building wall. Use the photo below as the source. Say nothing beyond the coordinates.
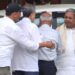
(4, 3)
(68, 1)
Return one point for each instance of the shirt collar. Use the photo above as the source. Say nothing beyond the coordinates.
(27, 19)
(46, 26)
(7, 18)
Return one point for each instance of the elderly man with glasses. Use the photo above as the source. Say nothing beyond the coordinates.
(47, 55)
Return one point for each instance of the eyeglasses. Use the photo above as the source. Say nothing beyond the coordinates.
(46, 18)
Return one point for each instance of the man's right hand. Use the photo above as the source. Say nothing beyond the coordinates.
(48, 44)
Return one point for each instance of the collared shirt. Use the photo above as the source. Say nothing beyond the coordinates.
(10, 35)
(48, 34)
(28, 60)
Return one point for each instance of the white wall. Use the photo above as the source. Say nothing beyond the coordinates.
(2, 12)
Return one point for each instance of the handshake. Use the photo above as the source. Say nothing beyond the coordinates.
(48, 44)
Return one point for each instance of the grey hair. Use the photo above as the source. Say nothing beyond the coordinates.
(71, 10)
(45, 18)
(27, 10)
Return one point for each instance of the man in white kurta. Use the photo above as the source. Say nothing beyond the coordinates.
(66, 58)
(25, 60)
(10, 35)
(28, 58)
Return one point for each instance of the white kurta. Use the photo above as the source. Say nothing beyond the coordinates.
(10, 35)
(66, 61)
(26, 59)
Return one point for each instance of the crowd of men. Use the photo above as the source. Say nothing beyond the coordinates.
(26, 49)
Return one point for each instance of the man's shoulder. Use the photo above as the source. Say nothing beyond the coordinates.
(60, 27)
(54, 30)
(34, 25)
(2, 20)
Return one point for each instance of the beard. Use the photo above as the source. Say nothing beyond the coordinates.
(70, 26)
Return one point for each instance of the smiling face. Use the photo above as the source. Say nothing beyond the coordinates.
(69, 19)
